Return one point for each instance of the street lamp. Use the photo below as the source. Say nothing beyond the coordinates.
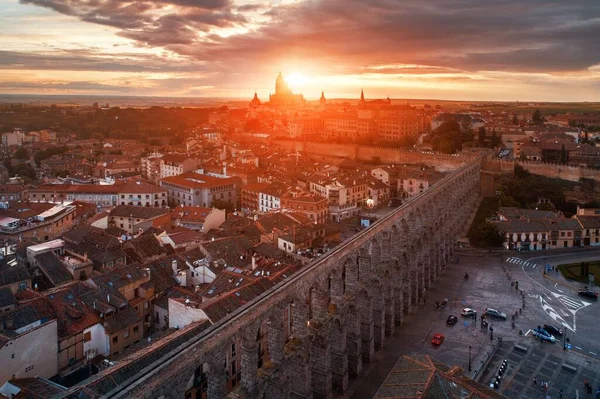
(469, 357)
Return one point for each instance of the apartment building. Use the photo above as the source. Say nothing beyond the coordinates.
(193, 189)
(176, 164)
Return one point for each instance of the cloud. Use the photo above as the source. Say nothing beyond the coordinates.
(63, 86)
(89, 60)
(352, 37)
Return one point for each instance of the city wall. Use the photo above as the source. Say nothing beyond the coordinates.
(565, 172)
(379, 154)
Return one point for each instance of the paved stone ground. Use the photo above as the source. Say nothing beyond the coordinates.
(483, 289)
(489, 285)
(544, 362)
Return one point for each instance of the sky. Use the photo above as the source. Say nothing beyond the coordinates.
(494, 50)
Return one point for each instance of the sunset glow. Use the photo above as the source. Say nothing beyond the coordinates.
(231, 48)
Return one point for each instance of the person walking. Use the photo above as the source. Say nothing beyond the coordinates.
(534, 381)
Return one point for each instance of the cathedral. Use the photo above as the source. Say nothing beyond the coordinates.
(283, 94)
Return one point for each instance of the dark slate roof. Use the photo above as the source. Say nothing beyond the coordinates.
(230, 249)
(147, 246)
(138, 212)
(14, 274)
(97, 255)
(226, 281)
(78, 234)
(422, 377)
(53, 268)
(36, 388)
(269, 251)
(31, 311)
(6, 297)
(589, 222)
(121, 319)
(221, 307)
(129, 367)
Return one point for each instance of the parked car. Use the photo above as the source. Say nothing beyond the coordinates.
(452, 320)
(437, 339)
(468, 312)
(543, 335)
(495, 314)
(588, 293)
(555, 331)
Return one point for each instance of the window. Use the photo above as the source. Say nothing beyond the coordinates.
(115, 339)
(126, 334)
(87, 336)
(136, 329)
(22, 286)
(146, 305)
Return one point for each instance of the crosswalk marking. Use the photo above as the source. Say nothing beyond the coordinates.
(571, 304)
(521, 262)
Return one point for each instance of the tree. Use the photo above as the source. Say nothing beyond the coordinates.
(21, 154)
(221, 204)
(537, 117)
(494, 141)
(563, 154)
(485, 234)
(515, 120)
(481, 136)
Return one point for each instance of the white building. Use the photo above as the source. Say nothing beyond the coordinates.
(27, 350)
(176, 164)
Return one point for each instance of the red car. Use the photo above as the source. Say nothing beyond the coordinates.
(437, 339)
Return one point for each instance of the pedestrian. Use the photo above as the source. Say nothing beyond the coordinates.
(560, 394)
(534, 381)
(586, 383)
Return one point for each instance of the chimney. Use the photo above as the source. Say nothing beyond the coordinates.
(8, 323)
(108, 298)
(85, 257)
(253, 262)
(174, 266)
(196, 288)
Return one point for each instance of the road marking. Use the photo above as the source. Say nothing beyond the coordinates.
(555, 284)
(577, 347)
(559, 290)
(534, 266)
(548, 296)
(528, 331)
(555, 316)
(564, 312)
(592, 353)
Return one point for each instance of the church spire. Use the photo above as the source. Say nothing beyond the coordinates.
(362, 95)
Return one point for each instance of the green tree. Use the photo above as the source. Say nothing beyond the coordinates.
(494, 140)
(563, 154)
(21, 154)
(481, 136)
(221, 204)
(485, 234)
(537, 117)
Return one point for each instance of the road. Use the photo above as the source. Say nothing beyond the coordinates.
(548, 300)
(557, 297)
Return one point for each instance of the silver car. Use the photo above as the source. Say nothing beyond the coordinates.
(495, 314)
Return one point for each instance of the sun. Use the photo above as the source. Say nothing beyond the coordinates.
(296, 79)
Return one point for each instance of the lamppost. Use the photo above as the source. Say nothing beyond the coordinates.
(469, 357)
